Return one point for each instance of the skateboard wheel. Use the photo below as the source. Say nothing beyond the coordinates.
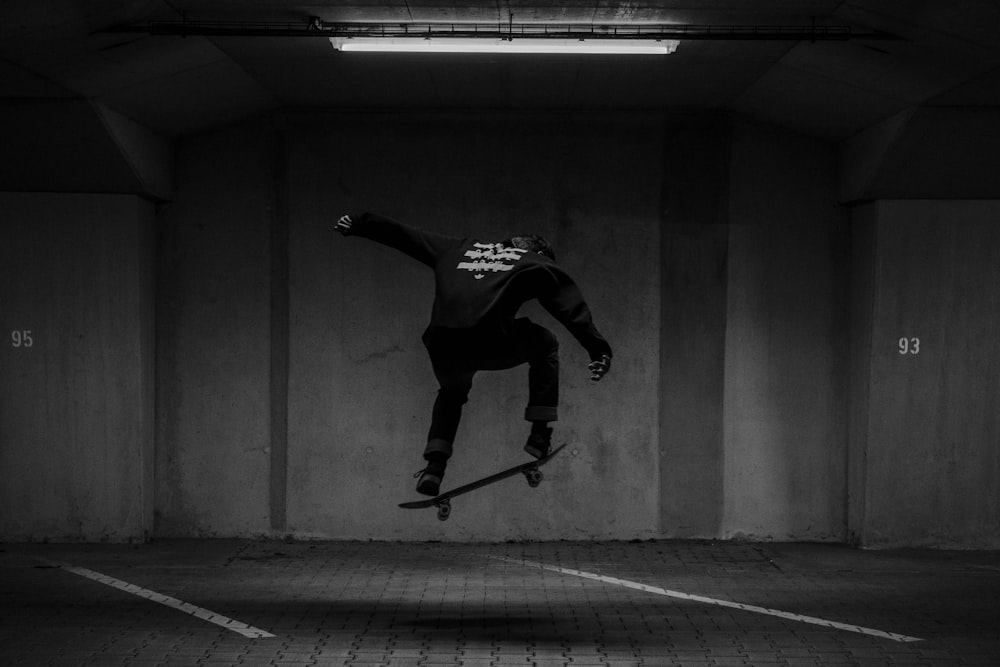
(534, 477)
(444, 511)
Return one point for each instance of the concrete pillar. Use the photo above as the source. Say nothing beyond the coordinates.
(786, 341)
(928, 435)
(695, 233)
(214, 446)
(76, 367)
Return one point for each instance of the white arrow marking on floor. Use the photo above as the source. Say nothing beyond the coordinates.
(204, 614)
(721, 603)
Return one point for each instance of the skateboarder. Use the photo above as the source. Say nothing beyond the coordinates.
(478, 290)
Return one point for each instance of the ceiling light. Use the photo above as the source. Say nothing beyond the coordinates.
(493, 45)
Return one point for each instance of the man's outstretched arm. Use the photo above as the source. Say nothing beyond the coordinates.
(423, 246)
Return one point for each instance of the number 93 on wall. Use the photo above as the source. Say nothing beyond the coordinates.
(21, 338)
(909, 345)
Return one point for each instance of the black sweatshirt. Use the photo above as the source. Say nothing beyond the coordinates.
(484, 284)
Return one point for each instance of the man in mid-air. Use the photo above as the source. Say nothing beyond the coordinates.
(479, 288)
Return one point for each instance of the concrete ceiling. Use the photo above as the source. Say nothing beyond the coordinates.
(54, 52)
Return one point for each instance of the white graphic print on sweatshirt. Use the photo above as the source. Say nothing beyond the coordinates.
(490, 257)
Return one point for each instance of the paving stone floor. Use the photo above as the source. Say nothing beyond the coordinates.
(493, 605)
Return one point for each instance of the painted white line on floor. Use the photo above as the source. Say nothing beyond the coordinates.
(174, 603)
(721, 603)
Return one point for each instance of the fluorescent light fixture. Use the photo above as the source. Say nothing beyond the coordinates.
(492, 45)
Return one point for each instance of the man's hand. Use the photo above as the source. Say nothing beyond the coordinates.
(598, 369)
(344, 224)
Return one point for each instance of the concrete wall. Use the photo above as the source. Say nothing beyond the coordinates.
(785, 402)
(295, 393)
(757, 389)
(346, 317)
(76, 405)
(213, 355)
(928, 435)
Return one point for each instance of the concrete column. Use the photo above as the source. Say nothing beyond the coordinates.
(214, 363)
(76, 403)
(694, 253)
(786, 341)
(930, 444)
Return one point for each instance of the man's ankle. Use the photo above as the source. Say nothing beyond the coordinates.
(540, 428)
(436, 461)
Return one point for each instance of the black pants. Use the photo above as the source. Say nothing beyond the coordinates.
(457, 354)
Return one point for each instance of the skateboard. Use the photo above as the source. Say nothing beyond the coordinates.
(530, 470)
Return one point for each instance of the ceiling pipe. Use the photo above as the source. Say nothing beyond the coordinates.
(316, 27)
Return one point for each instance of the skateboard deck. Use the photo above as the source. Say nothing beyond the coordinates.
(443, 501)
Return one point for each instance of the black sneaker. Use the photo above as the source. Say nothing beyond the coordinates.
(539, 443)
(430, 479)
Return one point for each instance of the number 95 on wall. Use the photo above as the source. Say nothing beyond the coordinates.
(21, 338)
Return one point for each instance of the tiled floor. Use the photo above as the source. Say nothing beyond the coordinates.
(659, 603)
